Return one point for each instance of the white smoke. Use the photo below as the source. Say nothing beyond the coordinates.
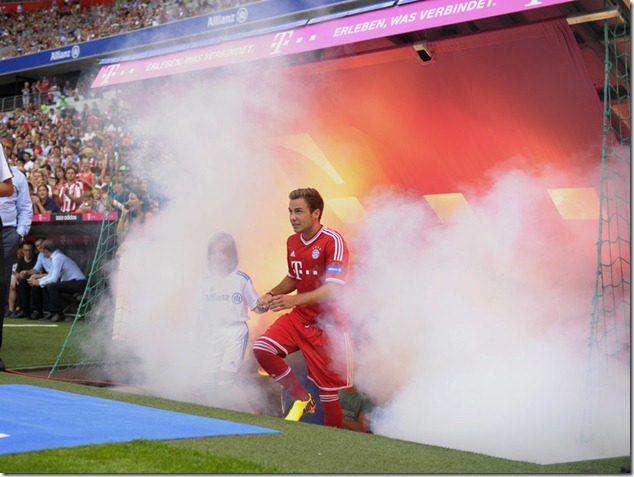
(473, 334)
(217, 177)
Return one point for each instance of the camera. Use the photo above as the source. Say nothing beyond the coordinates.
(119, 205)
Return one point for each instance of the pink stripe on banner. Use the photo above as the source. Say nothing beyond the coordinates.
(366, 26)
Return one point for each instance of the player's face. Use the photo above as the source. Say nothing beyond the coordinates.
(219, 258)
(302, 219)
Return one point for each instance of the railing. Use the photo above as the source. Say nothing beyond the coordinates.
(11, 103)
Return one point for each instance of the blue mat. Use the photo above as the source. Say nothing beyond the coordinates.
(33, 418)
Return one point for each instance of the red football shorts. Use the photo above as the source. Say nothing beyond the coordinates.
(326, 349)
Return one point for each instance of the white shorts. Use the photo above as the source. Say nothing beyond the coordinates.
(225, 347)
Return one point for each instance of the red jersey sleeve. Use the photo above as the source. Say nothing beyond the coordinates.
(337, 255)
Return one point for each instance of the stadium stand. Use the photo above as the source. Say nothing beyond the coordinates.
(33, 30)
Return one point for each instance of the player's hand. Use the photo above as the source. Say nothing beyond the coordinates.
(282, 302)
(264, 301)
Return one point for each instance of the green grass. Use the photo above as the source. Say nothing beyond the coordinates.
(135, 457)
(299, 448)
(32, 343)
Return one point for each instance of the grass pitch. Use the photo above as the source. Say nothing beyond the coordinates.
(299, 448)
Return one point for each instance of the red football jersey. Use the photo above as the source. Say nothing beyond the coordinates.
(76, 189)
(312, 263)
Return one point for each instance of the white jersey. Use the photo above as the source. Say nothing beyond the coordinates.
(223, 310)
(227, 299)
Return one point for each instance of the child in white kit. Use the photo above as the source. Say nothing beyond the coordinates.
(226, 295)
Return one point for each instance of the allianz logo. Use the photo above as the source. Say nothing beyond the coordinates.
(73, 52)
(239, 16)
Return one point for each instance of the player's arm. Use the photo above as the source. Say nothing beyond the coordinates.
(287, 285)
(320, 295)
(252, 298)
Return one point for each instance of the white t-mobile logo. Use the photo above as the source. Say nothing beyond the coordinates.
(280, 40)
(110, 71)
(296, 265)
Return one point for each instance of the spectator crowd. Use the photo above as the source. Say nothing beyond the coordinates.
(23, 32)
(71, 158)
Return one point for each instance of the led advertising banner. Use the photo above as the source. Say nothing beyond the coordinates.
(217, 22)
(365, 26)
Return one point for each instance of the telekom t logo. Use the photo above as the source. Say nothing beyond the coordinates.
(296, 265)
(110, 71)
(280, 40)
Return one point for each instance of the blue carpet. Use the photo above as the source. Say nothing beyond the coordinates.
(34, 418)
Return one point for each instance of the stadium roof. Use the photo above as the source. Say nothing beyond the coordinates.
(585, 17)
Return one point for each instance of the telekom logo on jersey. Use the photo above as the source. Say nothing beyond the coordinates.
(296, 265)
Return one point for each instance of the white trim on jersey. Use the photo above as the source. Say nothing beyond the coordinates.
(313, 238)
(338, 255)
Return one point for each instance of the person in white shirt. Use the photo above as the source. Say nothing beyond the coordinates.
(7, 189)
(65, 276)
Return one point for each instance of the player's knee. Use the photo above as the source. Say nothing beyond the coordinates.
(262, 350)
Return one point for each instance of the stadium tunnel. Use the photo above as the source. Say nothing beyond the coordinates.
(438, 125)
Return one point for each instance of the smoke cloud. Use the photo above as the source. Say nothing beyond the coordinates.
(473, 334)
(217, 176)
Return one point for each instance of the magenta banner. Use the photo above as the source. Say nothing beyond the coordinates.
(84, 217)
(366, 26)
